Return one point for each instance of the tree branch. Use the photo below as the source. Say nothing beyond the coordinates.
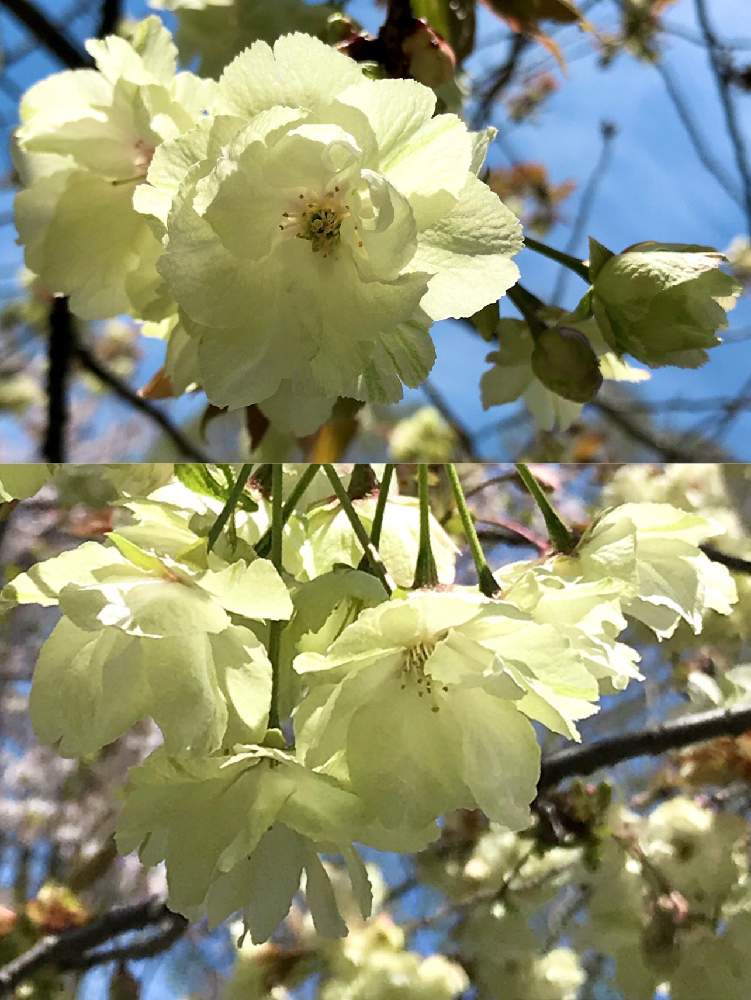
(49, 34)
(581, 760)
(145, 406)
(77, 948)
(736, 563)
(720, 63)
(608, 132)
(462, 432)
(109, 17)
(59, 352)
(624, 422)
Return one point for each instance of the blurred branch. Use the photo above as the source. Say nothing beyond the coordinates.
(706, 156)
(78, 948)
(49, 34)
(61, 341)
(720, 62)
(669, 452)
(459, 428)
(582, 760)
(736, 563)
(110, 17)
(501, 78)
(129, 395)
(608, 132)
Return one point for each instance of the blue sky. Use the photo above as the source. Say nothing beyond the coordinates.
(655, 189)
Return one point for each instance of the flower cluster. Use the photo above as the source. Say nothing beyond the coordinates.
(306, 704)
(292, 223)
(294, 239)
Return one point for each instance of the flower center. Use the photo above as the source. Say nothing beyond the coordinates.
(413, 669)
(318, 220)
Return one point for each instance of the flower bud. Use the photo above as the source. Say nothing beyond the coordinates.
(663, 303)
(431, 59)
(564, 361)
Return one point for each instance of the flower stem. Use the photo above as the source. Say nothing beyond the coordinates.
(229, 507)
(572, 263)
(485, 578)
(560, 536)
(263, 546)
(528, 305)
(374, 559)
(383, 495)
(426, 573)
(275, 628)
(380, 510)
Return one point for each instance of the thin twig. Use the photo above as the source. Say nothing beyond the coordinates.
(49, 34)
(76, 948)
(735, 563)
(608, 132)
(667, 451)
(501, 78)
(183, 443)
(719, 62)
(672, 735)
(466, 439)
(702, 149)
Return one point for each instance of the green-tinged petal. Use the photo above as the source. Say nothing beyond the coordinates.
(186, 699)
(19, 482)
(469, 254)
(500, 757)
(321, 900)
(395, 726)
(149, 56)
(143, 606)
(82, 237)
(44, 580)
(243, 673)
(262, 78)
(88, 689)
(253, 591)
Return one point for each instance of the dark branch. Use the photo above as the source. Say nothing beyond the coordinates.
(581, 760)
(608, 133)
(59, 353)
(736, 563)
(720, 63)
(130, 396)
(703, 150)
(669, 452)
(503, 75)
(462, 432)
(49, 34)
(78, 948)
(110, 17)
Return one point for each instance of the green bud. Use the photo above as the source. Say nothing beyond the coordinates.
(564, 361)
(663, 303)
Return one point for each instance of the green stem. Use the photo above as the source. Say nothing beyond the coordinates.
(380, 510)
(561, 257)
(383, 495)
(559, 534)
(374, 559)
(426, 573)
(275, 628)
(229, 507)
(529, 306)
(263, 547)
(485, 578)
